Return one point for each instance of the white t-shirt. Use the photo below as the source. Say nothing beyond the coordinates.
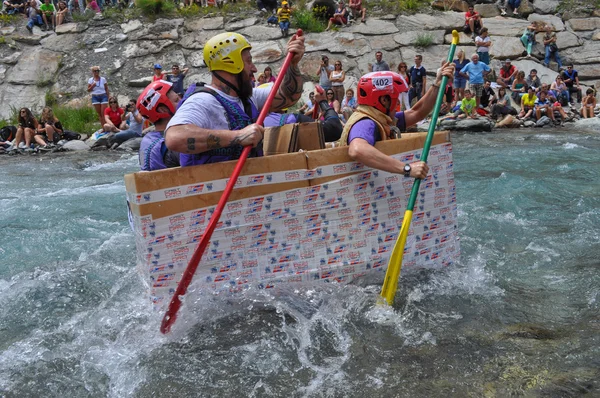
(483, 49)
(99, 87)
(205, 111)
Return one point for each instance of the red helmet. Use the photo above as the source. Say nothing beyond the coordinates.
(153, 96)
(375, 85)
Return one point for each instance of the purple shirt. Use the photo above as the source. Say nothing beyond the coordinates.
(368, 131)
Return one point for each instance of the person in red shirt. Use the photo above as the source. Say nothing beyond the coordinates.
(114, 116)
(473, 22)
(507, 74)
(158, 73)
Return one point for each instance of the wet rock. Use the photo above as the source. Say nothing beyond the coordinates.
(36, 66)
(578, 24)
(131, 145)
(479, 124)
(531, 332)
(410, 38)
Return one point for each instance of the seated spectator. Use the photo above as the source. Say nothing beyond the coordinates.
(588, 104)
(527, 102)
(268, 74)
(561, 90)
(26, 129)
(114, 117)
(266, 6)
(157, 103)
(308, 106)
(508, 72)
(502, 107)
(62, 14)
(260, 80)
(93, 7)
(551, 48)
(543, 106)
(356, 8)
(528, 38)
(332, 102)
(283, 17)
(158, 73)
(473, 22)
(571, 79)
(448, 97)
(467, 107)
(340, 16)
(33, 16)
(349, 104)
(519, 87)
(512, 4)
(488, 96)
(48, 14)
(533, 80)
(12, 7)
(49, 129)
(134, 127)
(557, 107)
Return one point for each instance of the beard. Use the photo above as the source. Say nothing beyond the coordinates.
(244, 86)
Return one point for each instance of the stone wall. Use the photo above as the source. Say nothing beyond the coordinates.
(32, 65)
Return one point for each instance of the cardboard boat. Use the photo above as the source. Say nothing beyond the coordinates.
(294, 218)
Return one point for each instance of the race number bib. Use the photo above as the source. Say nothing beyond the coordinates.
(382, 83)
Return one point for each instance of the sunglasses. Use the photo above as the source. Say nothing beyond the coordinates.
(96, 70)
(112, 102)
(338, 64)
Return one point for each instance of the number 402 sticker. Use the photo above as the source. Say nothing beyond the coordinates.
(382, 83)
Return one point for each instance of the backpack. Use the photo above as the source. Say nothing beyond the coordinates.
(70, 135)
(8, 133)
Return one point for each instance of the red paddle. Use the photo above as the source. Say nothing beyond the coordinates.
(316, 106)
(188, 274)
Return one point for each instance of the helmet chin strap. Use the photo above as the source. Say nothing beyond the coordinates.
(228, 84)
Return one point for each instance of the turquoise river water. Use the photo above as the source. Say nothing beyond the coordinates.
(519, 316)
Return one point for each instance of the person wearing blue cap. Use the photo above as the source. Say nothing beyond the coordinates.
(158, 73)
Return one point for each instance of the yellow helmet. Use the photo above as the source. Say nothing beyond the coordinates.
(224, 52)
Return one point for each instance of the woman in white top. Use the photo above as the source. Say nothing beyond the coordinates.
(337, 78)
(403, 101)
(98, 86)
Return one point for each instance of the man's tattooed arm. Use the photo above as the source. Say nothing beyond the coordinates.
(289, 91)
(213, 142)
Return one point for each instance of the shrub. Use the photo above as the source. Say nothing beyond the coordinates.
(307, 21)
(154, 8)
(423, 40)
(191, 11)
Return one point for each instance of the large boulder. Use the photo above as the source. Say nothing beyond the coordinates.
(501, 26)
(162, 29)
(487, 10)
(507, 47)
(257, 33)
(71, 27)
(354, 46)
(76, 145)
(18, 96)
(411, 38)
(37, 66)
(266, 52)
(589, 53)
(65, 43)
(195, 40)
(143, 48)
(131, 145)
(445, 20)
(551, 20)
(546, 6)
(578, 24)
(588, 71)
(374, 27)
(194, 25)
(475, 125)
(589, 125)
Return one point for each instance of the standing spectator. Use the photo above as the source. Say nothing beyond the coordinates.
(507, 74)
(324, 72)
(380, 65)
(483, 43)
(475, 72)
(551, 48)
(337, 78)
(588, 104)
(26, 129)
(268, 73)
(519, 86)
(134, 127)
(98, 86)
(33, 16)
(62, 14)
(349, 104)
(571, 79)
(460, 83)
(561, 90)
(473, 22)
(533, 80)
(340, 16)
(418, 79)
(12, 7)
(356, 8)
(47, 10)
(528, 39)
(158, 73)
(488, 96)
(283, 17)
(449, 91)
(114, 117)
(502, 107)
(543, 105)
(49, 128)
(176, 77)
(403, 99)
(527, 102)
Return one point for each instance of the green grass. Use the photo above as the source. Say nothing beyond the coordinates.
(229, 9)
(423, 40)
(395, 6)
(6, 19)
(307, 21)
(155, 8)
(81, 120)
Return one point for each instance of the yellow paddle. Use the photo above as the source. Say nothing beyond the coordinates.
(390, 283)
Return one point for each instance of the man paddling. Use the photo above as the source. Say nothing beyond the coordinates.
(375, 117)
(213, 124)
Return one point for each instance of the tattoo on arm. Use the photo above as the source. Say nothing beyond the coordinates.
(213, 142)
(290, 89)
(191, 144)
(238, 140)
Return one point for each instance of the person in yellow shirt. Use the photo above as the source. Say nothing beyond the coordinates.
(283, 17)
(527, 103)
